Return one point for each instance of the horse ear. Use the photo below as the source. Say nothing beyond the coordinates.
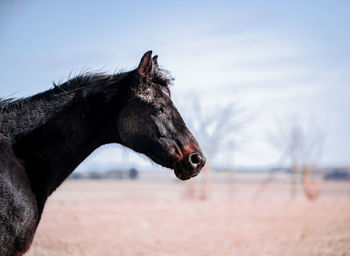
(145, 66)
(155, 61)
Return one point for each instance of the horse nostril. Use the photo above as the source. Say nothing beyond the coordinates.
(196, 160)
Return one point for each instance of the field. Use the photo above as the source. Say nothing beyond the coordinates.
(166, 217)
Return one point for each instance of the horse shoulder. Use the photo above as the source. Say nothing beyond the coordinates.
(18, 210)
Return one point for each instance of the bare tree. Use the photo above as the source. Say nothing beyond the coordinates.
(216, 127)
(301, 146)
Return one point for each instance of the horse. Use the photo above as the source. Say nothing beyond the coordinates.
(43, 138)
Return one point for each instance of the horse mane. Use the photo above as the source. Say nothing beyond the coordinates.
(4, 102)
(82, 81)
(79, 82)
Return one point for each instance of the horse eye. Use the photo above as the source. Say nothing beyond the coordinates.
(160, 109)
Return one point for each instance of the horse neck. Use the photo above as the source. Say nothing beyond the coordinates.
(76, 127)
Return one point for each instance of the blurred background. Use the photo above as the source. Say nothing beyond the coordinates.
(263, 85)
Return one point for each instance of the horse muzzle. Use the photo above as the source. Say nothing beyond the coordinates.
(190, 165)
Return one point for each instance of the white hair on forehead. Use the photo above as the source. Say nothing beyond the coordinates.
(146, 95)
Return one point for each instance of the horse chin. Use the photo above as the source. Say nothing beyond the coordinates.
(182, 173)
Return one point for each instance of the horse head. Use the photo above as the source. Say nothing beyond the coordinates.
(149, 122)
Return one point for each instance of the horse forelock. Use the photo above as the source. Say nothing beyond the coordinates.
(163, 78)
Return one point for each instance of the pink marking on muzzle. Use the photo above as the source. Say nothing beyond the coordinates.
(188, 150)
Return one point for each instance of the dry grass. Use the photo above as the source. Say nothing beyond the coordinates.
(153, 218)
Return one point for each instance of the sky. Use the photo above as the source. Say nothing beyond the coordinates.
(281, 60)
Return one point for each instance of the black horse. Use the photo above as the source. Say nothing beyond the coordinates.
(43, 138)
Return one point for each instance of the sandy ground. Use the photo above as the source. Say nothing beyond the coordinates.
(162, 219)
